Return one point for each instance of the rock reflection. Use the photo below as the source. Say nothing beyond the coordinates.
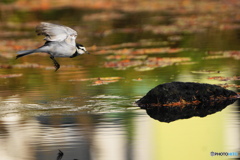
(177, 100)
(201, 110)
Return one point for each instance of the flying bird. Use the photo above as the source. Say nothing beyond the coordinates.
(60, 42)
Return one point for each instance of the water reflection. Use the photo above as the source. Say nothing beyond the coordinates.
(123, 135)
(17, 137)
(201, 110)
(81, 137)
(143, 42)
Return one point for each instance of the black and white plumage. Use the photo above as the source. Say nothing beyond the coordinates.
(60, 42)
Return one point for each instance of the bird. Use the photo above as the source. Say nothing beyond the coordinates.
(60, 42)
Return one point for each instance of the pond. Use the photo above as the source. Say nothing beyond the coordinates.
(87, 108)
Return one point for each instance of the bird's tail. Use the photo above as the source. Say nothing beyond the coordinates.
(24, 53)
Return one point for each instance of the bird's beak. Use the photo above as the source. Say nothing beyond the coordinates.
(87, 52)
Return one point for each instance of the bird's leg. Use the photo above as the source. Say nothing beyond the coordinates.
(56, 64)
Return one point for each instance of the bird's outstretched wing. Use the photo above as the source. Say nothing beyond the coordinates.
(54, 32)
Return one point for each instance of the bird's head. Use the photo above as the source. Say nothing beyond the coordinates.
(81, 49)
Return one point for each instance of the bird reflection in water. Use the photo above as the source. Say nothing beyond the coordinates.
(60, 155)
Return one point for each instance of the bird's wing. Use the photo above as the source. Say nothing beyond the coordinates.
(54, 32)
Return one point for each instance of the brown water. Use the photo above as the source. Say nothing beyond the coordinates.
(87, 109)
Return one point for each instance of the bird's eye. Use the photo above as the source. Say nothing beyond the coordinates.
(83, 48)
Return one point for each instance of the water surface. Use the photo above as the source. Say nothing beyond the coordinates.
(87, 109)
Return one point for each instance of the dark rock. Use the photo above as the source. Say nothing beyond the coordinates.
(178, 100)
